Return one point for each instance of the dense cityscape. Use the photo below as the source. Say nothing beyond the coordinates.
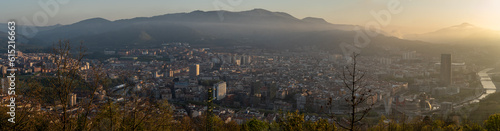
(250, 65)
(250, 83)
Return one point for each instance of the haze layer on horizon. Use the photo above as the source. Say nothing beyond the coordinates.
(417, 16)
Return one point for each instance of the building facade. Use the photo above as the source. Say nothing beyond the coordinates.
(446, 70)
(194, 71)
(219, 90)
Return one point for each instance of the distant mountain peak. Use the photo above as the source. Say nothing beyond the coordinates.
(259, 10)
(94, 20)
(465, 25)
(315, 20)
(97, 19)
(197, 11)
(463, 33)
(462, 27)
(267, 13)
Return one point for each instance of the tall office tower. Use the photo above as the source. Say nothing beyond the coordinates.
(169, 73)
(446, 69)
(246, 60)
(72, 99)
(194, 71)
(409, 55)
(219, 90)
(234, 58)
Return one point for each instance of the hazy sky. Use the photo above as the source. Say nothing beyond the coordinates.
(418, 16)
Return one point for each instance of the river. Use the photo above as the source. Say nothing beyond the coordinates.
(488, 85)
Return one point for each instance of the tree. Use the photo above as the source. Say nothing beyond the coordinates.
(162, 117)
(231, 126)
(492, 123)
(357, 95)
(66, 79)
(137, 113)
(97, 78)
(255, 125)
(320, 125)
(107, 118)
(184, 125)
(209, 114)
(472, 127)
(293, 121)
(468, 125)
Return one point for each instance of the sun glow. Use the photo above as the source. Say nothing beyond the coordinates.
(490, 14)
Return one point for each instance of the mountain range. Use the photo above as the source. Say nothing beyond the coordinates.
(251, 27)
(257, 27)
(464, 33)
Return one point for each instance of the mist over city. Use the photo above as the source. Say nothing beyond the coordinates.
(250, 65)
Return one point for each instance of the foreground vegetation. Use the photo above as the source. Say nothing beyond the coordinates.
(159, 117)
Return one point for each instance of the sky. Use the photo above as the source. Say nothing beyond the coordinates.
(417, 16)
